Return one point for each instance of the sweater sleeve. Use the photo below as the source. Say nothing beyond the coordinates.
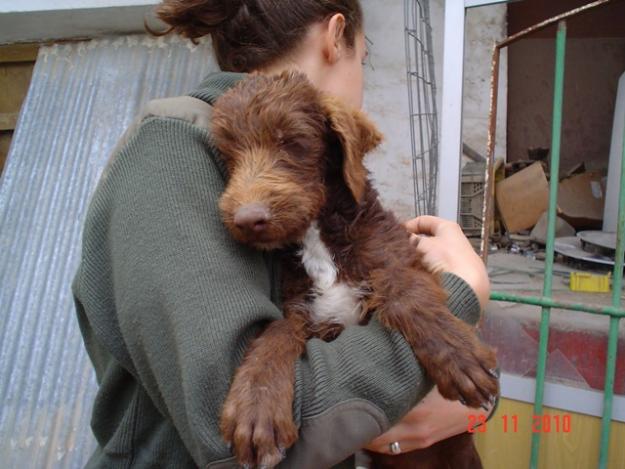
(188, 299)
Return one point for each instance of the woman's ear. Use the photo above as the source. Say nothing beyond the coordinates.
(358, 136)
(334, 37)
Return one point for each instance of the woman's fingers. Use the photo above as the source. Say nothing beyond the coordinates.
(415, 239)
(421, 225)
(431, 251)
(427, 225)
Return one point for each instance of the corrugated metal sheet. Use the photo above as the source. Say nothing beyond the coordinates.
(81, 98)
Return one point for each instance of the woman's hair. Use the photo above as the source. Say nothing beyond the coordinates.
(251, 34)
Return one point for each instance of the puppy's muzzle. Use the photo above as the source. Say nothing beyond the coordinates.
(252, 218)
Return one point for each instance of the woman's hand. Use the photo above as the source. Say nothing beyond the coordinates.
(445, 248)
(432, 420)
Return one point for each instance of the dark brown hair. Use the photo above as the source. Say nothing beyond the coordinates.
(250, 34)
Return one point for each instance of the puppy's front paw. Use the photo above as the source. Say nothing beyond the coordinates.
(467, 374)
(258, 424)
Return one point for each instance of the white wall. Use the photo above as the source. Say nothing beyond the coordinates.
(386, 99)
(386, 95)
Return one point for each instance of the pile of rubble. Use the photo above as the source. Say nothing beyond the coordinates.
(522, 200)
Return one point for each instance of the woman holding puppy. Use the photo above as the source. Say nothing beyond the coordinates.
(167, 301)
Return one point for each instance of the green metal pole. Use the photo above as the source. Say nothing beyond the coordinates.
(608, 389)
(556, 134)
(618, 312)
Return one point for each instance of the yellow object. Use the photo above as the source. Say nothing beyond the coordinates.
(583, 281)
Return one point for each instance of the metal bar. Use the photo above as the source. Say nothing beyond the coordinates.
(433, 113)
(421, 97)
(614, 323)
(608, 392)
(551, 303)
(408, 23)
(556, 134)
(451, 117)
(422, 104)
(489, 178)
(537, 27)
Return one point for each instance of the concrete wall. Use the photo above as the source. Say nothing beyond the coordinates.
(484, 27)
(595, 59)
(593, 67)
(386, 99)
(386, 96)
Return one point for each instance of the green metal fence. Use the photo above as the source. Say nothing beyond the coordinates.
(616, 311)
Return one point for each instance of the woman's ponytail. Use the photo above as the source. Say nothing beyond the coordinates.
(194, 19)
(250, 34)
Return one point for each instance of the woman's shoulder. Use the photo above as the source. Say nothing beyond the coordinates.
(171, 134)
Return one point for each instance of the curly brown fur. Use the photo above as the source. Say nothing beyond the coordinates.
(297, 181)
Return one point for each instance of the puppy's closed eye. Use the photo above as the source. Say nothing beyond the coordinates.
(294, 147)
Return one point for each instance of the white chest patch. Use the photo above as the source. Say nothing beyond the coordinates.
(333, 301)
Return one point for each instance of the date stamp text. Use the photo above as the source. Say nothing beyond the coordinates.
(510, 423)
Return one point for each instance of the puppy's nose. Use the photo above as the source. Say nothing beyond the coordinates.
(252, 217)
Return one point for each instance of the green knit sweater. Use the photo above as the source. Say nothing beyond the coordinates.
(167, 302)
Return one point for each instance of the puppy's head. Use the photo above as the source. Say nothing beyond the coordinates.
(276, 134)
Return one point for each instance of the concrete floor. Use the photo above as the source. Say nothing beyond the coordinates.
(520, 275)
(577, 341)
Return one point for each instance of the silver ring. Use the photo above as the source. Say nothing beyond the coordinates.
(395, 448)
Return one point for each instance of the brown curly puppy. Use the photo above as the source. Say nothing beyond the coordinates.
(297, 181)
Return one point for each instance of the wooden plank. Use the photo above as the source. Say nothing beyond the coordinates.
(5, 143)
(14, 82)
(8, 120)
(19, 53)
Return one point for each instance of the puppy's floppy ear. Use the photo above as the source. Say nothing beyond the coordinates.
(358, 136)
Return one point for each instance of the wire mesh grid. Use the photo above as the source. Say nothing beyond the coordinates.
(422, 104)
